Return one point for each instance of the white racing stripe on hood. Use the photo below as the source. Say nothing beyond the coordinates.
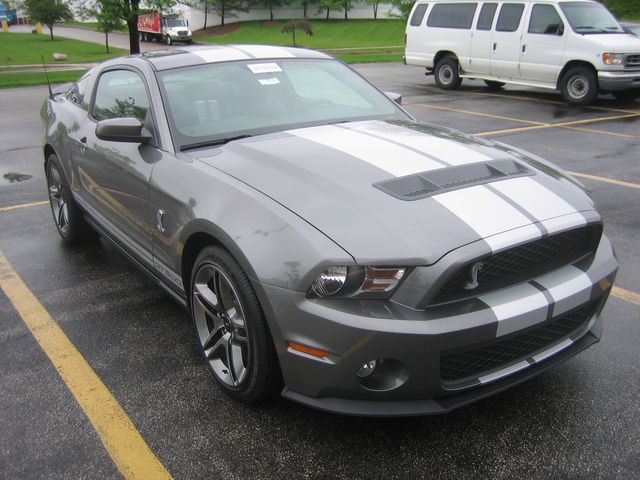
(484, 211)
(394, 159)
(222, 54)
(539, 201)
(448, 151)
(264, 51)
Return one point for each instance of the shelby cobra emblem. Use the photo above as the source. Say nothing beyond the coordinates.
(473, 277)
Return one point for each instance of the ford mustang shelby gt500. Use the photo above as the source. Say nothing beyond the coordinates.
(327, 246)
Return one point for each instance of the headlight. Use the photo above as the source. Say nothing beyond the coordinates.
(613, 58)
(356, 282)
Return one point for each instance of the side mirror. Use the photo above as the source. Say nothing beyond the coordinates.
(396, 97)
(122, 130)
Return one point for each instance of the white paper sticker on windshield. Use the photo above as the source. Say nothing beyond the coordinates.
(269, 81)
(264, 67)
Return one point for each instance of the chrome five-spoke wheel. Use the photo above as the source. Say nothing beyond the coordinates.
(220, 324)
(57, 199)
(230, 327)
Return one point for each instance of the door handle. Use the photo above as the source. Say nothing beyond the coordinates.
(495, 45)
(524, 48)
(83, 144)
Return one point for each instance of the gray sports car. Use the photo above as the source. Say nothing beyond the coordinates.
(328, 247)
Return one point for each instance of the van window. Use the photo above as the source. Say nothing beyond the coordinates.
(418, 15)
(485, 19)
(452, 15)
(509, 18)
(545, 19)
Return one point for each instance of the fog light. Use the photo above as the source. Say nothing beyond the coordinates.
(367, 369)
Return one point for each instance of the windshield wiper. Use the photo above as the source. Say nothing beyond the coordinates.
(212, 143)
(589, 27)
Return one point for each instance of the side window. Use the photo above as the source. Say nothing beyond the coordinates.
(77, 93)
(120, 93)
(418, 15)
(452, 15)
(545, 19)
(509, 18)
(485, 19)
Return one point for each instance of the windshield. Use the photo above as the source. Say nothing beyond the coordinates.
(590, 18)
(175, 22)
(213, 102)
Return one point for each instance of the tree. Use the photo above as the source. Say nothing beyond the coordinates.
(404, 7)
(106, 13)
(270, 4)
(292, 25)
(346, 6)
(624, 8)
(229, 8)
(328, 5)
(47, 12)
(374, 4)
(305, 5)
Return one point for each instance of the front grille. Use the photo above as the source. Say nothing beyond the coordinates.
(477, 361)
(633, 61)
(521, 263)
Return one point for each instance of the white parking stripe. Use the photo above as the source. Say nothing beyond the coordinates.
(394, 159)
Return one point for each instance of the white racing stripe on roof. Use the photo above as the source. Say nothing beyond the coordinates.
(484, 211)
(517, 308)
(535, 198)
(448, 151)
(387, 156)
(264, 51)
(220, 54)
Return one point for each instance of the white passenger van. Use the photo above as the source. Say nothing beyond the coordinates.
(575, 46)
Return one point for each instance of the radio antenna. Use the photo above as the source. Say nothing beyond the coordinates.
(47, 75)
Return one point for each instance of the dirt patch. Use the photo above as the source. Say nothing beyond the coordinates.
(272, 23)
(217, 30)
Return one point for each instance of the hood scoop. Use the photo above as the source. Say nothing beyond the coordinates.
(427, 184)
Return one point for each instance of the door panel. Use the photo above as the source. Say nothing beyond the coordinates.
(480, 61)
(506, 41)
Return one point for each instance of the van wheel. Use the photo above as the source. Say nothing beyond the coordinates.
(579, 86)
(446, 73)
(626, 95)
(493, 85)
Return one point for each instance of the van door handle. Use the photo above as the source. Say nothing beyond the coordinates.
(495, 45)
(524, 48)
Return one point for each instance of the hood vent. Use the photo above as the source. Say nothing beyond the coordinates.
(427, 184)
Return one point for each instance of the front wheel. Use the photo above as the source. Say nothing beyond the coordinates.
(447, 73)
(230, 327)
(67, 216)
(168, 40)
(579, 86)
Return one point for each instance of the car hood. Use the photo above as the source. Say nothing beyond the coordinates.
(369, 186)
(615, 42)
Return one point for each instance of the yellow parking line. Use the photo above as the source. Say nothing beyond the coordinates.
(627, 295)
(603, 132)
(510, 130)
(612, 181)
(117, 432)
(23, 205)
(478, 114)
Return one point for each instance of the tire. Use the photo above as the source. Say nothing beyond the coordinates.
(230, 328)
(168, 40)
(68, 217)
(627, 95)
(493, 85)
(446, 73)
(141, 37)
(579, 86)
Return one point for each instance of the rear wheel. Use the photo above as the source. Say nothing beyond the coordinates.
(67, 215)
(230, 327)
(447, 73)
(493, 85)
(579, 86)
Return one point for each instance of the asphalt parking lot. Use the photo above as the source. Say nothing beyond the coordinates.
(578, 420)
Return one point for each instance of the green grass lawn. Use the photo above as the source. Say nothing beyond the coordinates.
(10, 80)
(26, 49)
(327, 34)
(89, 25)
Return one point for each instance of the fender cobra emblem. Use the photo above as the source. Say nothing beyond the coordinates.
(472, 283)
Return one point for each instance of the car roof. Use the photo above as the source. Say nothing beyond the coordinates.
(200, 55)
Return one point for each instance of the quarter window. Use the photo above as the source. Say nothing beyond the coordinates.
(545, 19)
(452, 15)
(418, 15)
(120, 93)
(485, 19)
(77, 93)
(509, 18)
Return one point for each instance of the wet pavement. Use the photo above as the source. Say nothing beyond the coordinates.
(578, 420)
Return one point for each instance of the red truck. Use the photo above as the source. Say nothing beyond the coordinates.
(166, 28)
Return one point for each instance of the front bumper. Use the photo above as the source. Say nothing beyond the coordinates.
(614, 81)
(413, 342)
